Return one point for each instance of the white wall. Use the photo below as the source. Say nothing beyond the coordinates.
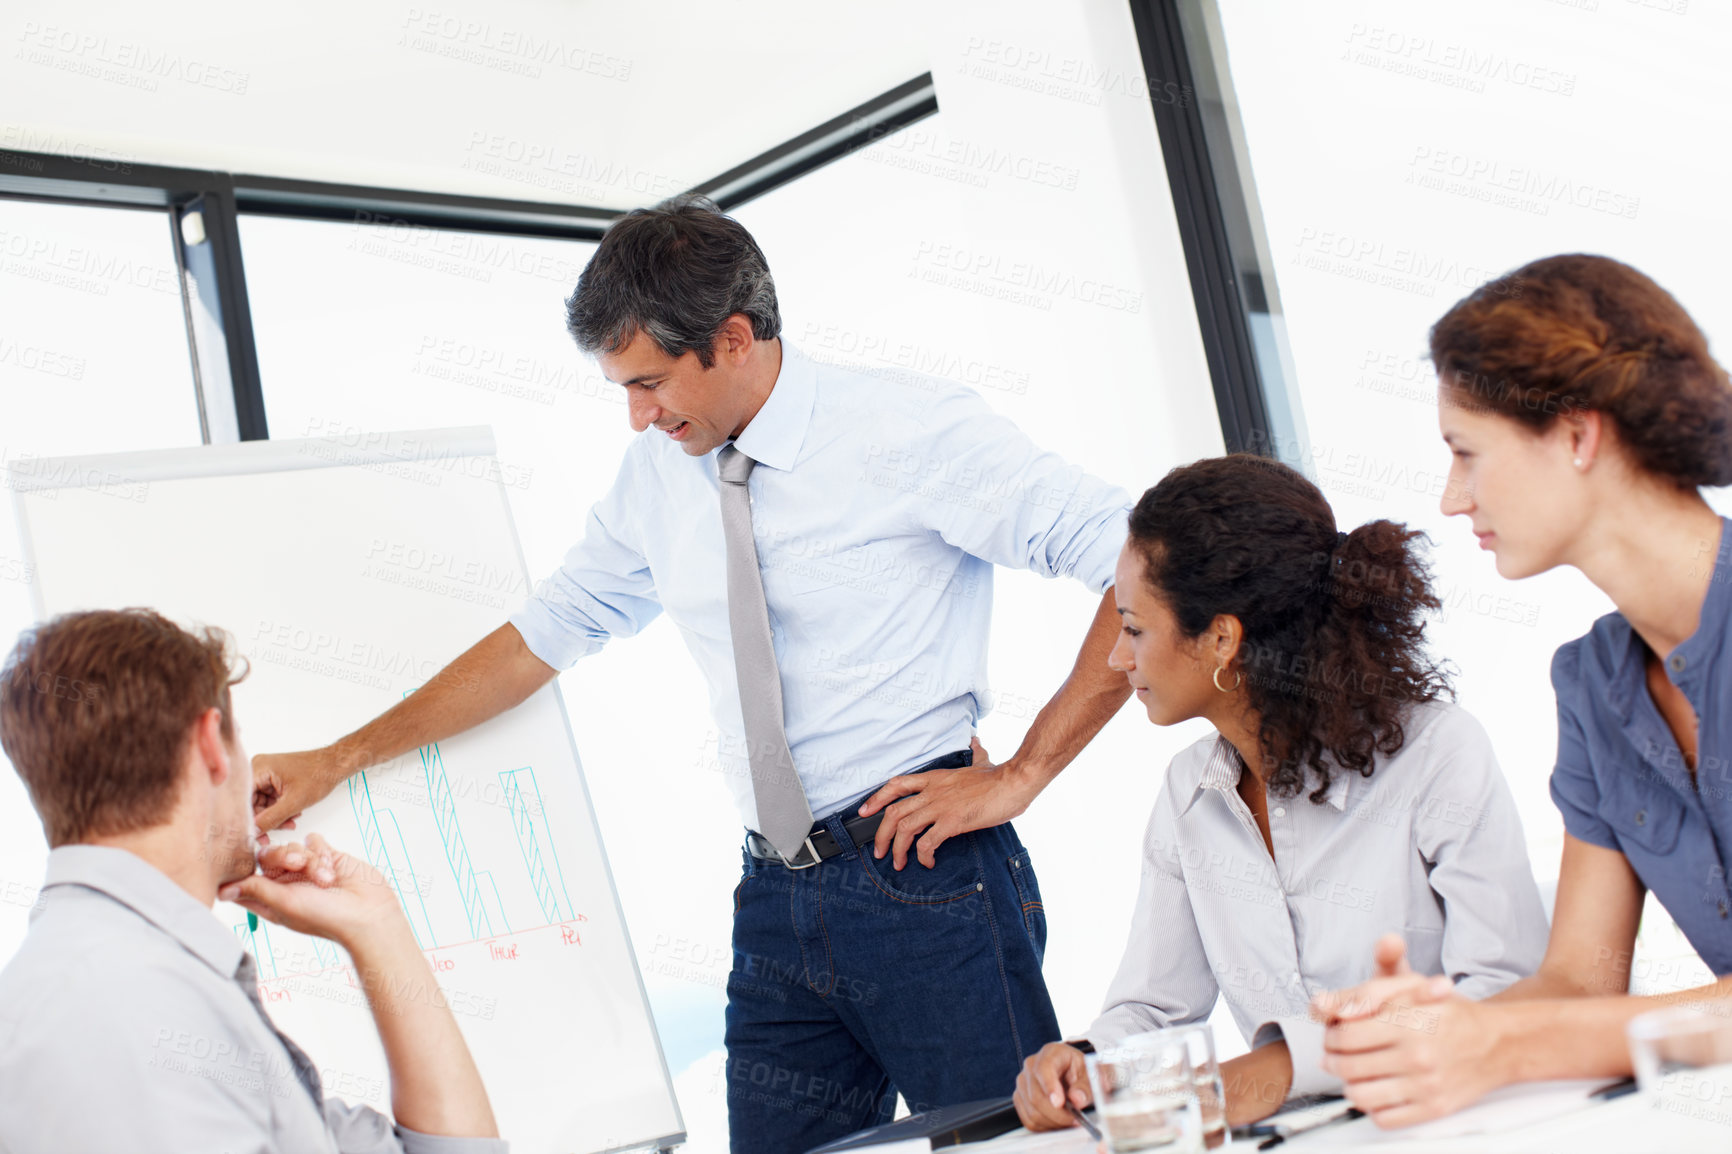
(1404, 154)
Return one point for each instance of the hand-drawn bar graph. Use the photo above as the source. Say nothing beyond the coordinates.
(531, 836)
(325, 954)
(265, 960)
(378, 850)
(483, 905)
(483, 923)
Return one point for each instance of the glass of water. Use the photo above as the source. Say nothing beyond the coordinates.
(1206, 1077)
(1146, 1094)
(1683, 1060)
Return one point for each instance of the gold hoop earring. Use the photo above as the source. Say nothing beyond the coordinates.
(1238, 679)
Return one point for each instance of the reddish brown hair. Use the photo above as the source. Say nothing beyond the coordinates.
(97, 709)
(1582, 332)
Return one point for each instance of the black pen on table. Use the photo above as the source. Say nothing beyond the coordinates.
(1346, 1115)
(1094, 1131)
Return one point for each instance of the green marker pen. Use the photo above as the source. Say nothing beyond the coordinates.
(252, 922)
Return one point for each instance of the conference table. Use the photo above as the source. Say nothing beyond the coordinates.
(1540, 1118)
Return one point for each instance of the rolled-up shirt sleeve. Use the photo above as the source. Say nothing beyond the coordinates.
(1164, 978)
(997, 495)
(1574, 790)
(1304, 1038)
(363, 1130)
(603, 589)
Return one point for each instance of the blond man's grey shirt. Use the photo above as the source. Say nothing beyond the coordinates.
(1429, 846)
(123, 1027)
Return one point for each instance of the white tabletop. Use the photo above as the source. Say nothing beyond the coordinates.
(1536, 1118)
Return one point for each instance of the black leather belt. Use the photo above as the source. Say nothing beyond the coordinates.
(820, 846)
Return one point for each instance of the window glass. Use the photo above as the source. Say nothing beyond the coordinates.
(93, 359)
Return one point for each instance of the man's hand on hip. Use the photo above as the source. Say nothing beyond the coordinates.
(944, 803)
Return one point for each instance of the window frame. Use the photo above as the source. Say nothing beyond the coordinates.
(1215, 204)
(203, 209)
(1220, 224)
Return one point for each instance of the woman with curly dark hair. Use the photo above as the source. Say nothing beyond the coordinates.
(1585, 413)
(1340, 797)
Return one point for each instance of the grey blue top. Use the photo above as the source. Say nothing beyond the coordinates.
(1620, 780)
(124, 1026)
(1429, 846)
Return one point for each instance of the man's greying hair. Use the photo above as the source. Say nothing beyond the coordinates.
(675, 272)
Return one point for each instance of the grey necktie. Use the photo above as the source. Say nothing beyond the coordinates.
(247, 978)
(784, 816)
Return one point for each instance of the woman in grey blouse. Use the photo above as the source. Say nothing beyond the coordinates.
(1340, 798)
(1584, 414)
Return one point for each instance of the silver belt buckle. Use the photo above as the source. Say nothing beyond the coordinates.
(811, 849)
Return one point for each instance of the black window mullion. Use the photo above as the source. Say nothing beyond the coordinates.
(222, 232)
(1209, 213)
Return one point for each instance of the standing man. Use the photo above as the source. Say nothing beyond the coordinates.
(824, 540)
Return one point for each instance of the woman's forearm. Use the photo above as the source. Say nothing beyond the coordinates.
(1580, 1037)
(1547, 984)
(1257, 1083)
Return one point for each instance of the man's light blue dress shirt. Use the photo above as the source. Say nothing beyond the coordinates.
(879, 510)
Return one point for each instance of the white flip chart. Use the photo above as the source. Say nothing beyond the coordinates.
(350, 571)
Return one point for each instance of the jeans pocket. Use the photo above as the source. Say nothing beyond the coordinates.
(1028, 893)
(954, 874)
(748, 868)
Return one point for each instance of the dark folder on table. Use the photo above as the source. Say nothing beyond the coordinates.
(945, 1126)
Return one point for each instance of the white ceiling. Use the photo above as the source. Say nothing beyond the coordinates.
(612, 105)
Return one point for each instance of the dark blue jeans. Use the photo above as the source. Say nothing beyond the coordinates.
(852, 982)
